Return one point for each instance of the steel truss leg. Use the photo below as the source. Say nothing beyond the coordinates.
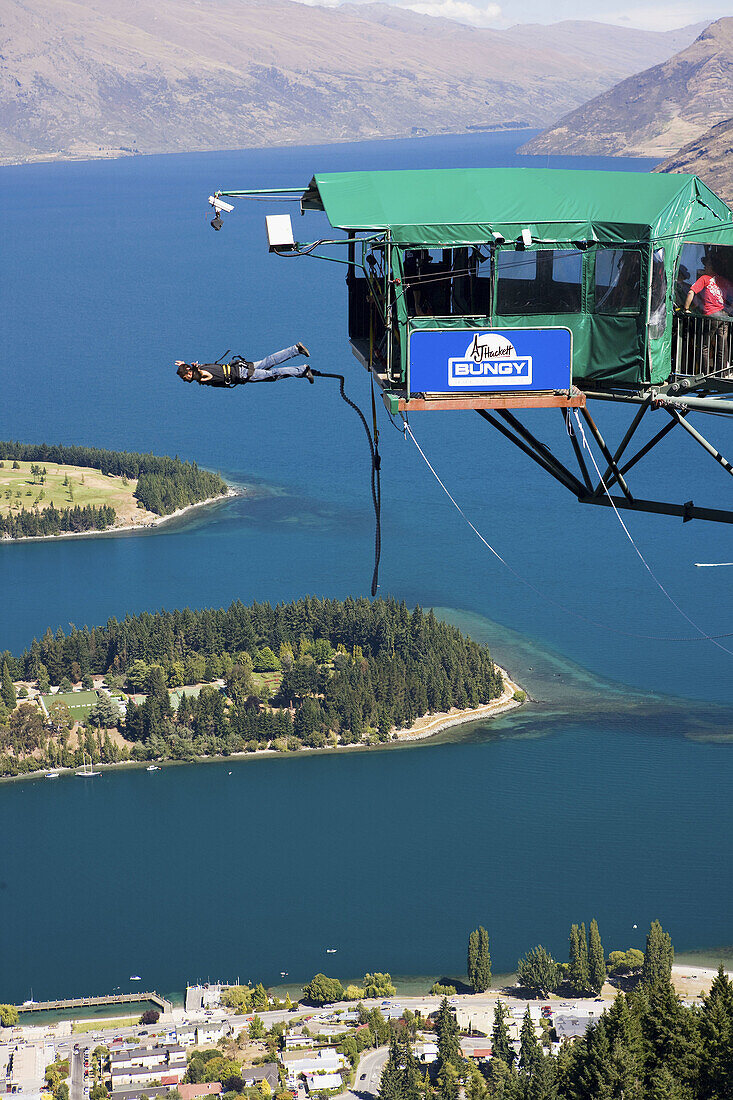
(643, 451)
(610, 470)
(538, 453)
(522, 438)
(619, 477)
(578, 450)
(701, 440)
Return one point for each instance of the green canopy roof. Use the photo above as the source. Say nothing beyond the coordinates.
(467, 204)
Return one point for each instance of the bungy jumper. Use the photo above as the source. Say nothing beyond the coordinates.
(502, 290)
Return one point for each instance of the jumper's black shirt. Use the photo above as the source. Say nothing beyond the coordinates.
(223, 374)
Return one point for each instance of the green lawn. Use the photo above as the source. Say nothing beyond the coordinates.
(80, 1026)
(272, 679)
(79, 703)
(85, 486)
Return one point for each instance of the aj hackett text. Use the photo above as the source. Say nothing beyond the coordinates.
(491, 360)
(481, 349)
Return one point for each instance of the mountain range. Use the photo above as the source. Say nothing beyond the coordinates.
(655, 112)
(710, 157)
(84, 78)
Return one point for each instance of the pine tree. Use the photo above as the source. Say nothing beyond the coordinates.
(472, 959)
(596, 959)
(475, 1084)
(483, 964)
(500, 1045)
(7, 688)
(449, 1083)
(627, 1044)
(658, 957)
(401, 1075)
(664, 1086)
(529, 1049)
(716, 1034)
(672, 1037)
(449, 1048)
(598, 1075)
(543, 1083)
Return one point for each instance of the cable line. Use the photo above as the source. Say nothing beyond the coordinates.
(543, 595)
(375, 476)
(707, 637)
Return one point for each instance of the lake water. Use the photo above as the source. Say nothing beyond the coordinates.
(607, 797)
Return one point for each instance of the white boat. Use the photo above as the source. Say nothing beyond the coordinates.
(152, 768)
(331, 950)
(87, 769)
(52, 775)
(135, 978)
(30, 1003)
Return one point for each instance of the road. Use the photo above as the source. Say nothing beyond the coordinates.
(368, 1075)
(76, 1069)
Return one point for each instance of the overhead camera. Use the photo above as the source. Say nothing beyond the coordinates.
(498, 238)
(219, 205)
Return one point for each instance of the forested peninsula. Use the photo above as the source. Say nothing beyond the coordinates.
(48, 490)
(177, 685)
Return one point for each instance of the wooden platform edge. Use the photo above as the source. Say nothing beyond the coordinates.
(449, 402)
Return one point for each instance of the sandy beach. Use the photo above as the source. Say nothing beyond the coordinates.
(431, 724)
(693, 981)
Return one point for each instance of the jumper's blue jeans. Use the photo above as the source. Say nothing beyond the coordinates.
(269, 369)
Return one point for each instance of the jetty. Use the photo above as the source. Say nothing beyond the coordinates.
(94, 1002)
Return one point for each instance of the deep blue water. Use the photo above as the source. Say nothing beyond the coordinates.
(602, 807)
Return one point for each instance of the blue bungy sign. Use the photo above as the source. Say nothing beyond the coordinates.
(490, 360)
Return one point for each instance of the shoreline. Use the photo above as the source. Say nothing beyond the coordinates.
(408, 991)
(422, 730)
(130, 528)
(112, 154)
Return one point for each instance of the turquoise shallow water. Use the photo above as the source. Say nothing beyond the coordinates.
(607, 796)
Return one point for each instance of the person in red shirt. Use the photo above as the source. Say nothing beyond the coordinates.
(713, 293)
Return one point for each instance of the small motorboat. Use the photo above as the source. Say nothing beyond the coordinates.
(135, 978)
(331, 950)
(152, 768)
(52, 775)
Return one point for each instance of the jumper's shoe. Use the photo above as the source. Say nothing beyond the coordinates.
(309, 375)
(302, 350)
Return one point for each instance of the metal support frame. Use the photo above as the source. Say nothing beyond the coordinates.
(702, 441)
(589, 493)
(607, 455)
(537, 452)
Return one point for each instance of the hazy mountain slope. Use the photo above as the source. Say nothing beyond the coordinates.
(617, 51)
(82, 76)
(657, 111)
(710, 157)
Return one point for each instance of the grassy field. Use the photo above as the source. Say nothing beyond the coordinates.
(65, 487)
(80, 703)
(80, 1026)
(272, 679)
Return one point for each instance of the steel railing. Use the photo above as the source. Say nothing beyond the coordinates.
(701, 346)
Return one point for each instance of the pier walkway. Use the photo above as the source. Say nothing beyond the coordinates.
(94, 1002)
